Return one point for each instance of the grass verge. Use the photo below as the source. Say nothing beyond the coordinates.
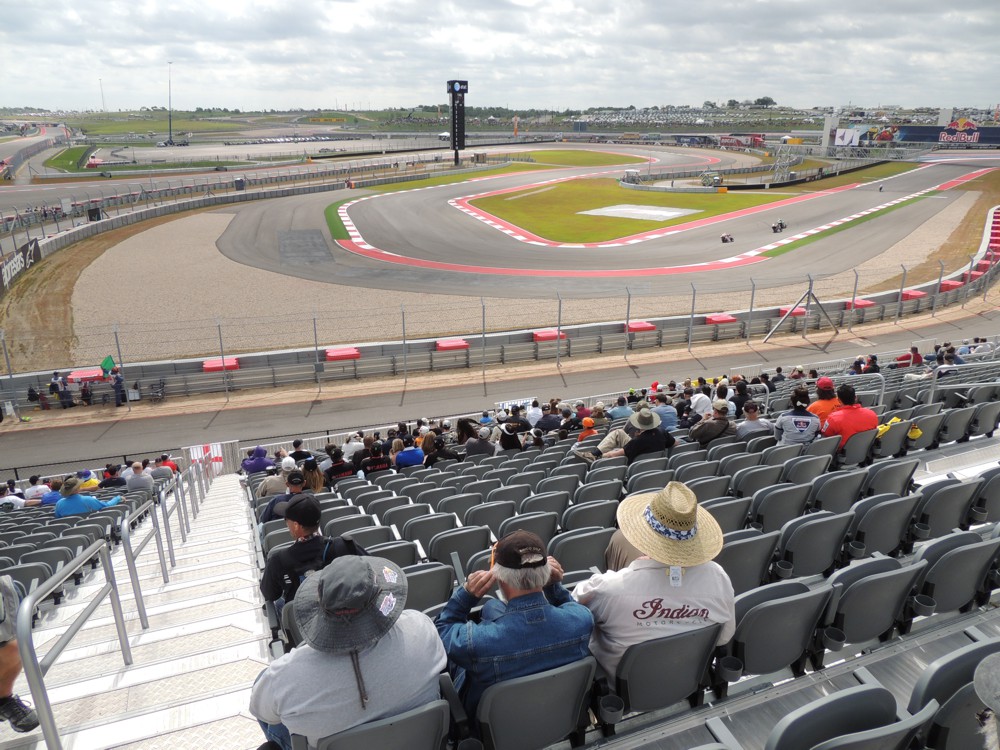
(572, 158)
(67, 159)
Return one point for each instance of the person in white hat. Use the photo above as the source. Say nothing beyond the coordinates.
(674, 587)
(363, 658)
(275, 484)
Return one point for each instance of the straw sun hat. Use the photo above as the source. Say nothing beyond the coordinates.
(670, 527)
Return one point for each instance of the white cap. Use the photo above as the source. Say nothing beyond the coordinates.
(287, 463)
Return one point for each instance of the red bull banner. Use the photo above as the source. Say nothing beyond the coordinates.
(960, 131)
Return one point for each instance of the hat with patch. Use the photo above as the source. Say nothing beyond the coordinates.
(296, 478)
(349, 606)
(520, 549)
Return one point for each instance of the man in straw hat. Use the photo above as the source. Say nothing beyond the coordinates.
(539, 628)
(641, 435)
(674, 587)
(364, 658)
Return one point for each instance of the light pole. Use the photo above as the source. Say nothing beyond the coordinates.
(170, 107)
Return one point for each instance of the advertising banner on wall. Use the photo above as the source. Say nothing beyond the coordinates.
(960, 131)
(18, 262)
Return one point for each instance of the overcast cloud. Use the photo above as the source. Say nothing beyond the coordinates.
(259, 54)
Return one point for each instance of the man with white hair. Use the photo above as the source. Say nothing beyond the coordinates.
(539, 628)
(354, 443)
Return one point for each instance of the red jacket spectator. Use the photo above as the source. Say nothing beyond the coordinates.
(849, 418)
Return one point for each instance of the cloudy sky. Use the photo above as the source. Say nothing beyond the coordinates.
(255, 54)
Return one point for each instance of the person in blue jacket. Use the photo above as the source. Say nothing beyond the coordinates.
(74, 504)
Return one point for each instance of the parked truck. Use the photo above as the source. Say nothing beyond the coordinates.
(742, 140)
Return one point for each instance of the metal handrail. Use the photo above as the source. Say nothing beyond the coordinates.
(35, 669)
(131, 554)
(178, 507)
(951, 382)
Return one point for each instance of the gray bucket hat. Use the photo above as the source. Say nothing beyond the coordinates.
(350, 604)
(644, 419)
(987, 682)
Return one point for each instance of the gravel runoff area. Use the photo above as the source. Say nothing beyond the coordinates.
(171, 284)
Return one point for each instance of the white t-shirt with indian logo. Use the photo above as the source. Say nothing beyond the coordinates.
(639, 603)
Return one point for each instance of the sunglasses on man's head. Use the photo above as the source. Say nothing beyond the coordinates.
(749, 408)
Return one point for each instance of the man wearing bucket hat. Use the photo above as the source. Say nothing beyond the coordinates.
(673, 588)
(363, 658)
(641, 435)
(539, 628)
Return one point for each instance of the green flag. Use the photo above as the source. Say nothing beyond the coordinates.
(107, 363)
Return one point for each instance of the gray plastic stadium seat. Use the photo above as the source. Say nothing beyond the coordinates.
(490, 515)
(423, 727)
(720, 451)
(399, 516)
(875, 592)
(747, 481)
(984, 420)
(555, 483)
(341, 526)
(804, 469)
(823, 446)
(483, 486)
(429, 585)
(747, 560)
(957, 568)
(555, 502)
(859, 718)
(424, 528)
(685, 657)
(945, 505)
(812, 544)
(930, 425)
(465, 542)
(515, 492)
(956, 424)
(730, 465)
(837, 491)
(382, 505)
(777, 455)
(649, 481)
(987, 500)
(857, 450)
(683, 458)
(599, 513)
(582, 549)
(605, 473)
(644, 465)
(401, 552)
(893, 441)
(946, 681)
(543, 524)
(433, 496)
(774, 506)
(371, 535)
(696, 470)
(730, 513)
(610, 490)
(894, 476)
(762, 443)
(460, 504)
(548, 706)
(709, 487)
(881, 523)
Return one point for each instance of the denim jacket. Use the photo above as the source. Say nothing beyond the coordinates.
(533, 633)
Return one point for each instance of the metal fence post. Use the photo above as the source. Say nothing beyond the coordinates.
(10, 374)
(482, 304)
(937, 291)
(402, 313)
(694, 297)
(809, 296)
(902, 285)
(628, 318)
(222, 353)
(558, 328)
(121, 365)
(319, 380)
(968, 281)
(854, 301)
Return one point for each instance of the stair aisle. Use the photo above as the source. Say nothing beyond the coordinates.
(189, 683)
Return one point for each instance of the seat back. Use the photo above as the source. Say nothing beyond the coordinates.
(747, 481)
(434, 496)
(582, 549)
(812, 544)
(773, 507)
(709, 487)
(423, 727)
(837, 491)
(555, 483)
(609, 490)
(465, 542)
(543, 524)
(946, 507)
(685, 657)
(893, 441)
(873, 598)
(490, 515)
(954, 580)
(599, 513)
(823, 446)
(804, 469)
(732, 464)
(775, 634)
(697, 470)
(882, 522)
(515, 492)
(428, 585)
(401, 552)
(729, 513)
(460, 504)
(746, 560)
(380, 506)
(424, 528)
(930, 426)
(340, 526)
(399, 516)
(555, 502)
(776, 455)
(549, 706)
(890, 476)
(857, 449)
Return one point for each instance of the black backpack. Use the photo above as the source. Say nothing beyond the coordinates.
(335, 547)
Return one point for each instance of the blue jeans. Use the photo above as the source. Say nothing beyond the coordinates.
(277, 733)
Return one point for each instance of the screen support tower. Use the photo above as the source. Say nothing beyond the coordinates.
(457, 91)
